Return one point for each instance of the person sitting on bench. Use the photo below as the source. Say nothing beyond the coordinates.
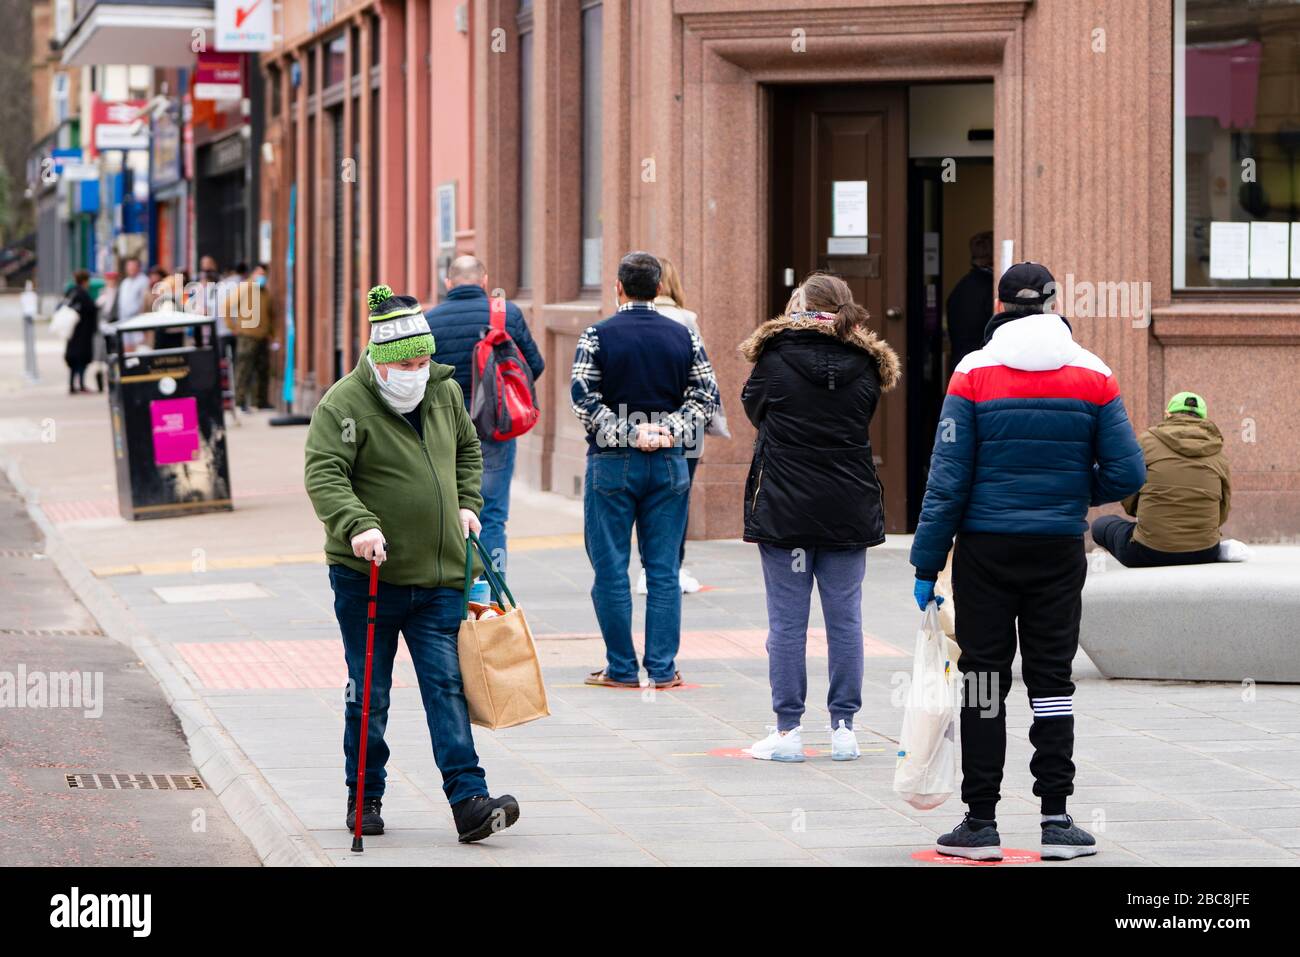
(1185, 499)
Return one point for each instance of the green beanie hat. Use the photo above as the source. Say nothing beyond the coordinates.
(398, 329)
(1186, 402)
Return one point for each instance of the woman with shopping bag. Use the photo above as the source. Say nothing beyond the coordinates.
(813, 500)
(80, 348)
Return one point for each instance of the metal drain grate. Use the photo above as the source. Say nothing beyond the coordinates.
(52, 632)
(104, 781)
(18, 553)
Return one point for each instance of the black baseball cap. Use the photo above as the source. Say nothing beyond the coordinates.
(1026, 284)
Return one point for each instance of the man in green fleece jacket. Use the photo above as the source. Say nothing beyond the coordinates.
(393, 469)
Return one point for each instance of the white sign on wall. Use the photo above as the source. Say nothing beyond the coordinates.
(243, 26)
(447, 216)
(121, 136)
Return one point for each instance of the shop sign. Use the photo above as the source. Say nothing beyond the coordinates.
(165, 162)
(219, 77)
(118, 126)
(244, 26)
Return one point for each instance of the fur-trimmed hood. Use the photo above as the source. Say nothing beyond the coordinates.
(866, 340)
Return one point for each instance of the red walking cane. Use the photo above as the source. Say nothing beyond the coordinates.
(357, 846)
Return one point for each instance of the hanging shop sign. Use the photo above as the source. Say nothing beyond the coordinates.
(244, 26)
(219, 77)
(119, 126)
(165, 166)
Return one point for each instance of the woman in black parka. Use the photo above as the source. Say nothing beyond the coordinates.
(80, 349)
(813, 501)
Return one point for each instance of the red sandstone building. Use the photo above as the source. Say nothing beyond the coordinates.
(1146, 150)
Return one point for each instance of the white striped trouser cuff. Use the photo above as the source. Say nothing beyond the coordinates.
(1058, 707)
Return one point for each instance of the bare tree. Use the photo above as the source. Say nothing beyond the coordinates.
(15, 113)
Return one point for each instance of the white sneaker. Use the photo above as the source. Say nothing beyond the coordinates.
(787, 747)
(844, 743)
(1231, 550)
(640, 584)
(690, 584)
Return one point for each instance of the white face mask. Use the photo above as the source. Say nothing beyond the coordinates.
(402, 390)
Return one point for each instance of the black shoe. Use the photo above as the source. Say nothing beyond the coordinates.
(1065, 840)
(371, 822)
(482, 816)
(972, 839)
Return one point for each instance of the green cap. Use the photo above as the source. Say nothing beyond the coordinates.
(1186, 402)
(398, 329)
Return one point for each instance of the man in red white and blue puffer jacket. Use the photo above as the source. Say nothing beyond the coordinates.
(1033, 432)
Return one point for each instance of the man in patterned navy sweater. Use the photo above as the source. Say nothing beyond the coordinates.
(1033, 431)
(643, 389)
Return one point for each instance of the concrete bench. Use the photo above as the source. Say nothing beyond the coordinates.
(1221, 622)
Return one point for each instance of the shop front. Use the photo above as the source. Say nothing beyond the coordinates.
(751, 143)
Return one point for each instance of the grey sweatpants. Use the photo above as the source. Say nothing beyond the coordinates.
(789, 576)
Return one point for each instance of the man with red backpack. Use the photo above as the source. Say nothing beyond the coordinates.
(463, 326)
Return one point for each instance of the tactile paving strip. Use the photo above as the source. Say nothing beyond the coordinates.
(297, 663)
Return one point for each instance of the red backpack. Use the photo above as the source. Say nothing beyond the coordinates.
(503, 402)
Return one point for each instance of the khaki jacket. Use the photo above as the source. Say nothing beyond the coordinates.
(1188, 490)
(248, 310)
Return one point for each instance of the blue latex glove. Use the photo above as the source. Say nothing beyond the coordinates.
(923, 591)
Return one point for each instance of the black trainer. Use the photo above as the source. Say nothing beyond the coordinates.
(482, 816)
(972, 839)
(1065, 840)
(371, 822)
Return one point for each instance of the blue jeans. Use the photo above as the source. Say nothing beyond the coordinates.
(498, 470)
(429, 620)
(627, 487)
(691, 462)
(788, 576)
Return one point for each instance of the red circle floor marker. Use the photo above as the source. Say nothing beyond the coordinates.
(1010, 855)
(744, 753)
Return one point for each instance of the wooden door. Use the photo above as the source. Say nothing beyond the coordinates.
(827, 142)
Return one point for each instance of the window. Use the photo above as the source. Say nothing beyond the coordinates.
(525, 145)
(273, 85)
(591, 153)
(1236, 144)
(335, 53)
(139, 81)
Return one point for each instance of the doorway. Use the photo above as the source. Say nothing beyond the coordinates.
(885, 186)
(838, 204)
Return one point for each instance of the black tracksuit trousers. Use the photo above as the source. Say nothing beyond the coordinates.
(1001, 584)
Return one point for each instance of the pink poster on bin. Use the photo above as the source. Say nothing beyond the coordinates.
(175, 430)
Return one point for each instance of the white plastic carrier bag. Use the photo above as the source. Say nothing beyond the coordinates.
(926, 773)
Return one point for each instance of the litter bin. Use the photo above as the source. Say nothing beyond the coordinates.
(169, 436)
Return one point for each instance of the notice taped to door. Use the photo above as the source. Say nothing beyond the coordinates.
(849, 207)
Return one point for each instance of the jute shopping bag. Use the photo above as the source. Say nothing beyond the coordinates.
(498, 658)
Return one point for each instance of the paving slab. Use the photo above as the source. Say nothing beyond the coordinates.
(624, 778)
